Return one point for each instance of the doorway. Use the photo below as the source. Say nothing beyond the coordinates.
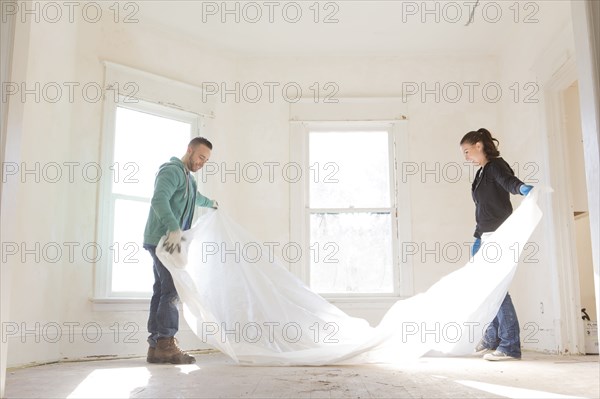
(570, 236)
(578, 201)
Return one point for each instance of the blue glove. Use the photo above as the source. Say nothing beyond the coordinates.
(525, 189)
(476, 246)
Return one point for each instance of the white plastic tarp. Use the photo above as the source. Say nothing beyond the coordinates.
(260, 313)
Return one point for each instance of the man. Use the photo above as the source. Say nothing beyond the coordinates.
(173, 203)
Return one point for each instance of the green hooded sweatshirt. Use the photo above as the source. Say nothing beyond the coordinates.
(175, 198)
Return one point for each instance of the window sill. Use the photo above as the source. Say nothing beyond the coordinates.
(143, 304)
(120, 304)
(363, 302)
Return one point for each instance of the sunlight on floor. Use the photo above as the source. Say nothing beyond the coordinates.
(187, 368)
(118, 382)
(512, 392)
(111, 383)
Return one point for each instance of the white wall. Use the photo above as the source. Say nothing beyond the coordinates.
(13, 45)
(37, 285)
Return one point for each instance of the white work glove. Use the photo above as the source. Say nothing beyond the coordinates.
(215, 204)
(173, 241)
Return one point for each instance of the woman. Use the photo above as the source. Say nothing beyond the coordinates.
(491, 189)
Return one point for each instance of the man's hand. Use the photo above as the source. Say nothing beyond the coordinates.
(525, 189)
(215, 205)
(173, 241)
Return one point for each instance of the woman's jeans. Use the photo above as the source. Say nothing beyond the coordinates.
(164, 315)
(503, 333)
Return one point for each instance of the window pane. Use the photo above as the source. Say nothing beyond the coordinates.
(349, 169)
(143, 142)
(361, 243)
(131, 264)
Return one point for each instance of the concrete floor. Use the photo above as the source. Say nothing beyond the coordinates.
(214, 375)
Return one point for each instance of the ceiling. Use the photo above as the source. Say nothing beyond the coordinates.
(387, 28)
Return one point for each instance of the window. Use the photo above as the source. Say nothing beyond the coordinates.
(143, 142)
(350, 213)
(147, 120)
(145, 136)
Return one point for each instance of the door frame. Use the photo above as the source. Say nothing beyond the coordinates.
(569, 329)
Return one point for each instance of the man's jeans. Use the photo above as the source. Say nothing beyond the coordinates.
(164, 315)
(503, 333)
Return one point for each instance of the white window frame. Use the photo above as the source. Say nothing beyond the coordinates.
(144, 92)
(108, 197)
(400, 204)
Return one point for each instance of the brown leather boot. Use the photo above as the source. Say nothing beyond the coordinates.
(167, 351)
(150, 357)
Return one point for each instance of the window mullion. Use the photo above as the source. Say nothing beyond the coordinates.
(350, 210)
(117, 196)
